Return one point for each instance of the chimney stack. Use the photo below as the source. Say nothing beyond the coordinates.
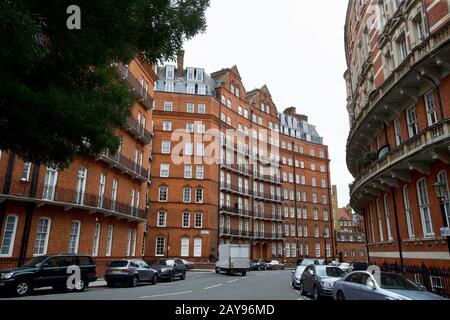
(180, 64)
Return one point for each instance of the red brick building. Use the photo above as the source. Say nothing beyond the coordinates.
(223, 171)
(398, 84)
(350, 237)
(96, 206)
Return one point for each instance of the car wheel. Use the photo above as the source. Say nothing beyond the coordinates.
(23, 288)
(340, 295)
(134, 281)
(244, 273)
(81, 285)
(155, 279)
(183, 276)
(171, 277)
(316, 293)
(217, 270)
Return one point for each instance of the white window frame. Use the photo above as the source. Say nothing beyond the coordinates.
(47, 236)
(13, 235)
(74, 239)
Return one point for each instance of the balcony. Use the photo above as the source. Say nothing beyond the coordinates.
(125, 165)
(417, 154)
(73, 199)
(224, 232)
(269, 217)
(238, 168)
(266, 236)
(139, 132)
(240, 190)
(267, 178)
(402, 88)
(267, 197)
(236, 211)
(136, 87)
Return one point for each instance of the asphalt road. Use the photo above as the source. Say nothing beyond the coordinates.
(264, 285)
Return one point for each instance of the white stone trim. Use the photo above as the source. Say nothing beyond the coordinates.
(438, 255)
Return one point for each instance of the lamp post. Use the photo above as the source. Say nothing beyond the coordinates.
(441, 191)
(325, 247)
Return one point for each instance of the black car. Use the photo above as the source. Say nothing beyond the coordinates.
(169, 269)
(48, 271)
(258, 265)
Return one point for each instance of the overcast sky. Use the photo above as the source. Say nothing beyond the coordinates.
(296, 47)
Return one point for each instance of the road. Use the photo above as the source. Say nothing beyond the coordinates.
(265, 285)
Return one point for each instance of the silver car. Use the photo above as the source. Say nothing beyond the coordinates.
(130, 272)
(362, 285)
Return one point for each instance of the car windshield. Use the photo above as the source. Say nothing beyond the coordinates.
(329, 272)
(307, 262)
(35, 262)
(166, 262)
(118, 264)
(397, 281)
(299, 270)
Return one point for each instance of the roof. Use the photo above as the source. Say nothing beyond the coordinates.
(344, 214)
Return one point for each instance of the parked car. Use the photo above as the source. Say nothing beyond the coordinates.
(362, 285)
(307, 262)
(189, 265)
(130, 272)
(169, 269)
(48, 271)
(297, 275)
(318, 280)
(344, 266)
(258, 265)
(274, 265)
(360, 266)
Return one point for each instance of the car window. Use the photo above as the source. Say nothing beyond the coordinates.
(329, 272)
(85, 261)
(354, 278)
(35, 262)
(397, 281)
(118, 264)
(52, 262)
(68, 261)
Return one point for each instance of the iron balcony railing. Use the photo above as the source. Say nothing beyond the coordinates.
(235, 233)
(236, 189)
(141, 93)
(240, 168)
(73, 198)
(139, 132)
(236, 211)
(126, 165)
(266, 235)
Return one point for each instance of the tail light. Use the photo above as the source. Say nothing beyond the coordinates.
(125, 270)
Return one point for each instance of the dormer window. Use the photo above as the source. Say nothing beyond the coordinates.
(199, 75)
(170, 72)
(190, 74)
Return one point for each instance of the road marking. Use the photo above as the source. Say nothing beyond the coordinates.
(165, 295)
(231, 281)
(215, 286)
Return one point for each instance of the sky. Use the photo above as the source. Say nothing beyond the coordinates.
(296, 48)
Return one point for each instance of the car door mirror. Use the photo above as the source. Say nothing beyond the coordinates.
(311, 272)
(371, 284)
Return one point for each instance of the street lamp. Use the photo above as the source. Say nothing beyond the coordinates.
(325, 247)
(440, 189)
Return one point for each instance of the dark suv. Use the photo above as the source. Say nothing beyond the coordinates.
(169, 269)
(48, 271)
